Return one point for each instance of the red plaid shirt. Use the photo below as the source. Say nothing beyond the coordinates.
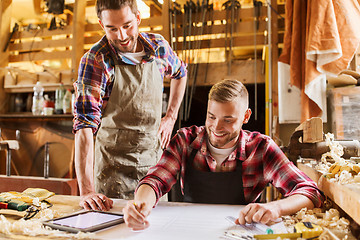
(263, 163)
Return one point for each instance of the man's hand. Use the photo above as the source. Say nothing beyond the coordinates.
(258, 212)
(135, 213)
(166, 126)
(96, 201)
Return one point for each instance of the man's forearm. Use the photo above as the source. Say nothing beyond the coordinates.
(84, 160)
(177, 90)
(292, 204)
(146, 194)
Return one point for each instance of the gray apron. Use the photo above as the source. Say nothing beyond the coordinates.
(127, 144)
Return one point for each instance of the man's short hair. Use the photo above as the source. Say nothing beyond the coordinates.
(102, 5)
(228, 90)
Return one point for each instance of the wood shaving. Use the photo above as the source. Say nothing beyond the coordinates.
(34, 227)
(342, 171)
(329, 219)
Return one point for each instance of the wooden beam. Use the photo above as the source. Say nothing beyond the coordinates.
(37, 6)
(247, 40)
(240, 70)
(35, 56)
(5, 21)
(42, 33)
(165, 20)
(275, 55)
(78, 35)
(244, 14)
(39, 45)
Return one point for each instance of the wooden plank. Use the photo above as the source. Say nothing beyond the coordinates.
(35, 56)
(312, 130)
(64, 186)
(240, 28)
(238, 41)
(245, 14)
(78, 34)
(151, 22)
(346, 196)
(5, 21)
(241, 70)
(309, 171)
(165, 20)
(42, 33)
(92, 39)
(38, 45)
(93, 27)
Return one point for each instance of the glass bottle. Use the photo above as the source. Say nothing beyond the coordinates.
(38, 99)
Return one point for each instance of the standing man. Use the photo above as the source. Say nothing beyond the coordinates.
(119, 97)
(220, 163)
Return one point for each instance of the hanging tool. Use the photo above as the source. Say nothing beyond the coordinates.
(230, 6)
(15, 29)
(210, 18)
(176, 11)
(173, 27)
(202, 9)
(257, 7)
(190, 7)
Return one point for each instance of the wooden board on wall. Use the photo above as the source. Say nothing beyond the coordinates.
(240, 70)
(5, 20)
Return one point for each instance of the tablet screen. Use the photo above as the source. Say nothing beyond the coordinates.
(85, 221)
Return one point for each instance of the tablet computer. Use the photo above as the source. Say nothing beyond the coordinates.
(88, 221)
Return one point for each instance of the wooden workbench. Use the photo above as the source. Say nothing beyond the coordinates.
(346, 196)
(169, 220)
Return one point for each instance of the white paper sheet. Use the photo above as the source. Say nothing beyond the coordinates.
(180, 221)
(195, 221)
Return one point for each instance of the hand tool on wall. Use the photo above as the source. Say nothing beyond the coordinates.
(210, 19)
(190, 8)
(257, 7)
(176, 10)
(230, 6)
(15, 29)
(203, 9)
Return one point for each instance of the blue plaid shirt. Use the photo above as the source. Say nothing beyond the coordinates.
(96, 74)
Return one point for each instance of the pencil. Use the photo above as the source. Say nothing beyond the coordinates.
(137, 207)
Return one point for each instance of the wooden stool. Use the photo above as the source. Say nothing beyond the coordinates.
(9, 145)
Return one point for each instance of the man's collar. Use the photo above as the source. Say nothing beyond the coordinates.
(149, 50)
(200, 143)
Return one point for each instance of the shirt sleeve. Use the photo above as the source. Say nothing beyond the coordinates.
(164, 174)
(176, 68)
(89, 92)
(287, 178)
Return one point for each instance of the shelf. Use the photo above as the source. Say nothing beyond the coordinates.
(28, 116)
(346, 196)
(48, 87)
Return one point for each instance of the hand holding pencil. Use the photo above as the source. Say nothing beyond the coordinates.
(135, 213)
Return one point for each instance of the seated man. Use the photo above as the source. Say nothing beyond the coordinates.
(221, 163)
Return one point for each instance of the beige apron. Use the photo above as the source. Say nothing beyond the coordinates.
(127, 144)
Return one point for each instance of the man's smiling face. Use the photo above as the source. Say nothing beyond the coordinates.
(224, 122)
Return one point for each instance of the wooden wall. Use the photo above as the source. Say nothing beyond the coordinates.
(70, 43)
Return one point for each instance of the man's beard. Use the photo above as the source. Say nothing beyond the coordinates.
(221, 142)
(131, 48)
